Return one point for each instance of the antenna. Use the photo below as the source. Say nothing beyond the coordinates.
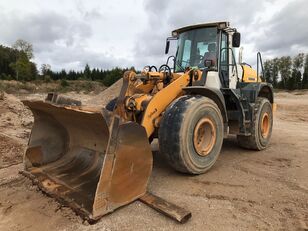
(240, 55)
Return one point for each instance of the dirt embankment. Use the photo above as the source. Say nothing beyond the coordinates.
(104, 97)
(43, 86)
(245, 190)
(16, 120)
(15, 125)
(293, 107)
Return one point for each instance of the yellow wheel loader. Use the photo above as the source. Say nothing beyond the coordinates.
(97, 160)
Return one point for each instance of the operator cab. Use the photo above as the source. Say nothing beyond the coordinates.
(196, 46)
(208, 47)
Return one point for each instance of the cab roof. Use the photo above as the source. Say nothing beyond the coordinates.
(220, 25)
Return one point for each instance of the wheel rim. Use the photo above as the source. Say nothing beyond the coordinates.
(265, 125)
(204, 136)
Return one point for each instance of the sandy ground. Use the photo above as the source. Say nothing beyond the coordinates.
(245, 190)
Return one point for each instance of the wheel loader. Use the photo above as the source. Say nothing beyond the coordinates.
(96, 160)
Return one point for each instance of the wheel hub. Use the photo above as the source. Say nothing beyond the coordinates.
(204, 136)
(265, 125)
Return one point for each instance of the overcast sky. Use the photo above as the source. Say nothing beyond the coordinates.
(70, 33)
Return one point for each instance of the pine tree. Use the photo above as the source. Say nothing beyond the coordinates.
(87, 72)
(63, 74)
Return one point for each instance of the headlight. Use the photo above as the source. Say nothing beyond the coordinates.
(174, 34)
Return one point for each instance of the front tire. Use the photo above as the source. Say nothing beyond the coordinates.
(191, 134)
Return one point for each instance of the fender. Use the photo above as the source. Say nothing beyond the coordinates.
(266, 90)
(212, 93)
(253, 90)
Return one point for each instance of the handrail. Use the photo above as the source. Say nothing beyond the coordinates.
(234, 60)
(259, 57)
(171, 56)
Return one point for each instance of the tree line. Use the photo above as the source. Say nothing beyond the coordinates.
(107, 77)
(287, 72)
(16, 64)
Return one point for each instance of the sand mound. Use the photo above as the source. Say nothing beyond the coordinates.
(11, 151)
(15, 124)
(1, 95)
(104, 97)
(15, 119)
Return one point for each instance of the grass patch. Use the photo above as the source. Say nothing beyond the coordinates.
(43, 86)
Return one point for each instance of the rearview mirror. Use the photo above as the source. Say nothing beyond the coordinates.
(236, 40)
(167, 47)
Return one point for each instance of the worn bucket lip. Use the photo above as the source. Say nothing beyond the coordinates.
(66, 201)
(84, 214)
(84, 109)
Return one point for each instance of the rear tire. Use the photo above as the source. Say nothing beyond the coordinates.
(261, 128)
(191, 134)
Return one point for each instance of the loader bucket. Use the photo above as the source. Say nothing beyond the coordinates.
(88, 160)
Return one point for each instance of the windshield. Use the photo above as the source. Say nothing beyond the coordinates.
(194, 47)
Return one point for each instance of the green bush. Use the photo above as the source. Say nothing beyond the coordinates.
(47, 79)
(5, 77)
(111, 79)
(64, 83)
(87, 86)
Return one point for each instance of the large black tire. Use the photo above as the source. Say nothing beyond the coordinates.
(177, 134)
(260, 137)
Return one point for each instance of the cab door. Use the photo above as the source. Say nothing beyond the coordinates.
(224, 60)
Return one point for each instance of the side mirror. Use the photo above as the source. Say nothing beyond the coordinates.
(236, 40)
(167, 47)
(208, 63)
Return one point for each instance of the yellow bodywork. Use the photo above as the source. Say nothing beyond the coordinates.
(161, 100)
(157, 95)
(249, 74)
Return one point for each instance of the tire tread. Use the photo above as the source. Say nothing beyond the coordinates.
(251, 142)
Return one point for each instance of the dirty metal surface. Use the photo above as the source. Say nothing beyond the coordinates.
(77, 158)
(171, 210)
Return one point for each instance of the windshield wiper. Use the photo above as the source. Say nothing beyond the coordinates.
(179, 65)
(177, 62)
